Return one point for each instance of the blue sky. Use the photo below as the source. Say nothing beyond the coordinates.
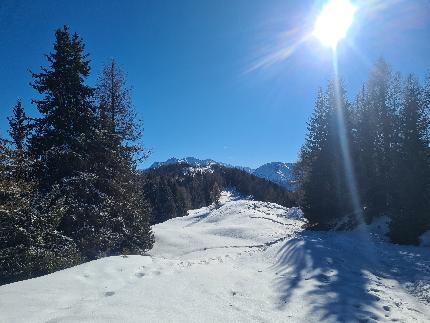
(205, 75)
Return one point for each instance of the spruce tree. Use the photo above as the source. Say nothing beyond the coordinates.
(215, 194)
(411, 217)
(19, 127)
(29, 244)
(64, 141)
(310, 176)
(119, 149)
(376, 137)
(325, 181)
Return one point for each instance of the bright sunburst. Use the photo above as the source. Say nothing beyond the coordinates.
(334, 21)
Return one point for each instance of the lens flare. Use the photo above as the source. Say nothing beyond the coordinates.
(334, 22)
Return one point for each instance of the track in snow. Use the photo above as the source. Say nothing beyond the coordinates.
(246, 261)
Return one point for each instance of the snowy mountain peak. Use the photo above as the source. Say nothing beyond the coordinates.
(277, 172)
(195, 162)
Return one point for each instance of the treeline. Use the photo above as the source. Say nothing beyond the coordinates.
(69, 190)
(369, 157)
(172, 190)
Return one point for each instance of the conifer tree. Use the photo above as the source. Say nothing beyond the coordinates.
(376, 137)
(64, 141)
(19, 128)
(119, 133)
(215, 194)
(411, 217)
(19, 131)
(326, 195)
(311, 152)
(29, 244)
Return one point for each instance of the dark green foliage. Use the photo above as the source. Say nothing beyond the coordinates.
(412, 203)
(64, 139)
(29, 244)
(324, 175)
(65, 133)
(372, 160)
(117, 151)
(215, 194)
(19, 127)
(69, 189)
(174, 189)
(376, 135)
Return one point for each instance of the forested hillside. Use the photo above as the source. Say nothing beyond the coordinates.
(174, 189)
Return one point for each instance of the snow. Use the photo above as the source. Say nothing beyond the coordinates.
(195, 162)
(193, 171)
(276, 172)
(245, 261)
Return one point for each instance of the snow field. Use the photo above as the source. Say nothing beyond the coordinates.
(246, 261)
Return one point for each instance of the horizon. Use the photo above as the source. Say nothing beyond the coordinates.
(221, 91)
(181, 159)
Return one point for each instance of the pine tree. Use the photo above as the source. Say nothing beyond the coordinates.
(19, 127)
(29, 244)
(19, 131)
(119, 149)
(64, 141)
(215, 194)
(412, 201)
(376, 137)
(311, 151)
(325, 180)
(66, 128)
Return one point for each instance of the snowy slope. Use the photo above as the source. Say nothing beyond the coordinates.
(246, 261)
(277, 172)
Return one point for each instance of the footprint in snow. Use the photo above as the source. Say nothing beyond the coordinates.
(110, 293)
(139, 274)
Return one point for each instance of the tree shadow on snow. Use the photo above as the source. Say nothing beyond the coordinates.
(330, 271)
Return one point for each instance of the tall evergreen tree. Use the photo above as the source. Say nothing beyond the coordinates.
(325, 181)
(19, 131)
(18, 126)
(64, 142)
(376, 137)
(310, 155)
(411, 217)
(119, 135)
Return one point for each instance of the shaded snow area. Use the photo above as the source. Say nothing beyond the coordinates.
(245, 261)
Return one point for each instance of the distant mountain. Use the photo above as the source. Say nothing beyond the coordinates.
(195, 162)
(276, 172)
(173, 189)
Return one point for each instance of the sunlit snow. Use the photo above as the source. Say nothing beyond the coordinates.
(245, 261)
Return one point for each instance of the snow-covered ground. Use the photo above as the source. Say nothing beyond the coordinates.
(245, 261)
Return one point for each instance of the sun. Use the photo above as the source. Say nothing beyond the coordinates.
(334, 21)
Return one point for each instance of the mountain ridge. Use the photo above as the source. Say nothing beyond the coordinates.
(280, 173)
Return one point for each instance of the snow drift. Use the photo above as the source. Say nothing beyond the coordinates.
(245, 261)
